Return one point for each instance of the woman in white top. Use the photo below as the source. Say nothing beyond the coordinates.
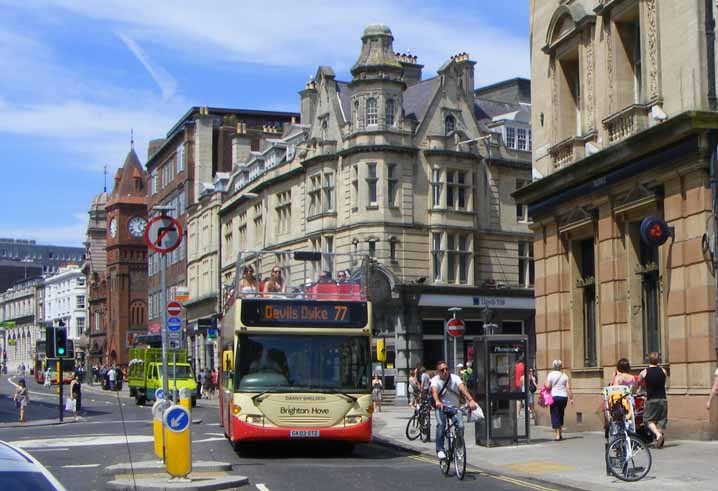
(714, 391)
(248, 284)
(557, 383)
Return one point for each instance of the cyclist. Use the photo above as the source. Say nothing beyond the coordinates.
(445, 389)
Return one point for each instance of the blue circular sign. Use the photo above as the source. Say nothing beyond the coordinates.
(159, 394)
(177, 419)
(174, 324)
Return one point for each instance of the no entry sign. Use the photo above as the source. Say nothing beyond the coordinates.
(163, 234)
(455, 327)
(174, 309)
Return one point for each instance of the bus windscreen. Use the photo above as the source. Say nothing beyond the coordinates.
(302, 363)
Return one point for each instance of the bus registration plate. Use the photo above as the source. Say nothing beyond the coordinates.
(303, 433)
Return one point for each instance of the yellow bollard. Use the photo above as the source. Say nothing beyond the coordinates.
(185, 398)
(178, 445)
(158, 410)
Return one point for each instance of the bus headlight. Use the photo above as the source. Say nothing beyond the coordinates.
(236, 409)
(352, 420)
(254, 419)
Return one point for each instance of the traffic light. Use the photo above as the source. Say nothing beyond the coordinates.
(60, 342)
(50, 342)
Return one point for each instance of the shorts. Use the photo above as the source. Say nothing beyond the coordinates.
(656, 411)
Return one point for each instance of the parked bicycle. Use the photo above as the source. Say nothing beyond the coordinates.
(627, 455)
(420, 423)
(454, 445)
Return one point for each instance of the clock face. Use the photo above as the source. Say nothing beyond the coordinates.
(136, 226)
(113, 228)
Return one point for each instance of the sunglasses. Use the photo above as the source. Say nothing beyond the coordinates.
(276, 271)
(443, 369)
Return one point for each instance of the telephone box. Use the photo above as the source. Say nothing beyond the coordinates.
(501, 388)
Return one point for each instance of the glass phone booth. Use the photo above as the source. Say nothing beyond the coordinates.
(501, 389)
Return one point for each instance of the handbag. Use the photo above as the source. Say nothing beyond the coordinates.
(545, 397)
(70, 405)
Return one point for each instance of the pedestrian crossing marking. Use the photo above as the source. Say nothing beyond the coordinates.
(537, 467)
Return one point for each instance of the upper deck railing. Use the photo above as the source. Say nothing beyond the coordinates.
(306, 275)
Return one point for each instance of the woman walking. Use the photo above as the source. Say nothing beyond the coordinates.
(76, 393)
(413, 389)
(557, 382)
(21, 398)
(376, 392)
(533, 384)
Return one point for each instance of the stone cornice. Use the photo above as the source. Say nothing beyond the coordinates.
(650, 140)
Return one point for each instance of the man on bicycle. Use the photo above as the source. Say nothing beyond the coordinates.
(445, 389)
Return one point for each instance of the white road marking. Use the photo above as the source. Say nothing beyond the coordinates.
(79, 466)
(82, 441)
(262, 487)
(215, 439)
(213, 424)
(215, 434)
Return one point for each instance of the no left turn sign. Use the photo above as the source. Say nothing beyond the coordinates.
(163, 234)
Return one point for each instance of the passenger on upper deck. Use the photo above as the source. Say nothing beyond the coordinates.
(275, 284)
(325, 277)
(248, 283)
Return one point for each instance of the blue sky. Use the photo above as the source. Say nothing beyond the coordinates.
(78, 75)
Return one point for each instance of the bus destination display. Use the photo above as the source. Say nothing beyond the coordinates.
(287, 313)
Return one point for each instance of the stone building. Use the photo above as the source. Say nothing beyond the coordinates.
(22, 311)
(66, 300)
(95, 269)
(624, 127)
(416, 173)
(180, 167)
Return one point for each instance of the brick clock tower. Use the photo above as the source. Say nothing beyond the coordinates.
(126, 259)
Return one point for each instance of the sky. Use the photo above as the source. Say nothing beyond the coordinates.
(78, 76)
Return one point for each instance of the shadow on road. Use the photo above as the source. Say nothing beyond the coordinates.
(317, 450)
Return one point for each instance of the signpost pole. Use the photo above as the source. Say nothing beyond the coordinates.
(163, 321)
(61, 405)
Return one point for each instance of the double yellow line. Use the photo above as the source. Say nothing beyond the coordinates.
(512, 480)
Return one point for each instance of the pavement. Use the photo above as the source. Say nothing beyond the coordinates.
(575, 462)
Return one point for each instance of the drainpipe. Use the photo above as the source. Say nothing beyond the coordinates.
(713, 105)
(714, 218)
(710, 55)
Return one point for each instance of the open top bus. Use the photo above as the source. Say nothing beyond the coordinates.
(296, 358)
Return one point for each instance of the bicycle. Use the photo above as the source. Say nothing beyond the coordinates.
(454, 445)
(627, 455)
(420, 423)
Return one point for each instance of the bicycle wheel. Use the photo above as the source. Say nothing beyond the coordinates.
(459, 456)
(413, 428)
(426, 427)
(445, 464)
(628, 458)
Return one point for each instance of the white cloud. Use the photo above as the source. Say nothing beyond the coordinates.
(310, 33)
(165, 81)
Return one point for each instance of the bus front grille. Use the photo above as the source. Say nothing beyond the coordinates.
(303, 421)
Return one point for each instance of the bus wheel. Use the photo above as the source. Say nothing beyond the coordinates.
(139, 399)
(194, 402)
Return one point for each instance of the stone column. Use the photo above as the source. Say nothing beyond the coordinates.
(409, 344)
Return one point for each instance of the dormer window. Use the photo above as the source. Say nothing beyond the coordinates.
(371, 112)
(389, 112)
(449, 125)
(324, 130)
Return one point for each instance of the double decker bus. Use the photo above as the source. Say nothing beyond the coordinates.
(296, 351)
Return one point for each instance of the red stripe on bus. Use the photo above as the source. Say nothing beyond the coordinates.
(242, 431)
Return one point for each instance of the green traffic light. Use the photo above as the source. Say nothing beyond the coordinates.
(61, 351)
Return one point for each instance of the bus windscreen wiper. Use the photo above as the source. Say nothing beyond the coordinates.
(350, 397)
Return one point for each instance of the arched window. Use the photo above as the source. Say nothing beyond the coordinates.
(324, 129)
(389, 110)
(356, 113)
(449, 124)
(371, 113)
